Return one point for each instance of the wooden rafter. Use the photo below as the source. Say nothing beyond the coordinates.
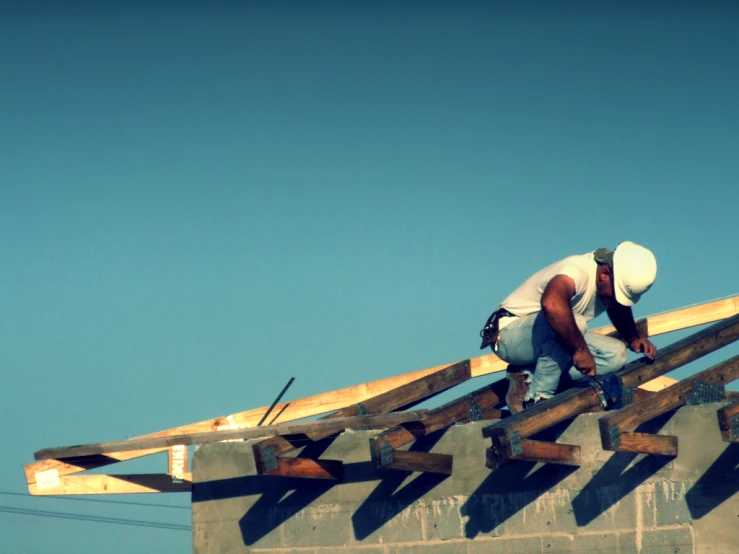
(537, 451)
(53, 484)
(326, 402)
(479, 405)
(728, 421)
(268, 451)
(616, 427)
(333, 425)
(508, 434)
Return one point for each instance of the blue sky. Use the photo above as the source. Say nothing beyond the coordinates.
(199, 201)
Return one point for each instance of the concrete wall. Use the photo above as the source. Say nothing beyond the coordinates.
(614, 502)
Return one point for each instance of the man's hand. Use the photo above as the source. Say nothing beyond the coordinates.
(643, 345)
(584, 362)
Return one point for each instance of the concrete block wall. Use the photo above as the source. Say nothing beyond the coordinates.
(615, 502)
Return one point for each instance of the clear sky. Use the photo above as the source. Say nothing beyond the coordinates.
(199, 201)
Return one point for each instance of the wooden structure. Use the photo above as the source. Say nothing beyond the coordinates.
(510, 437)
(617, 428)
(269, 454)
(58, 473)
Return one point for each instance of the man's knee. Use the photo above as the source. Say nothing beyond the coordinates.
(617, 357)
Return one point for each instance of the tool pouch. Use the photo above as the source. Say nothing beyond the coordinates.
(489, 332)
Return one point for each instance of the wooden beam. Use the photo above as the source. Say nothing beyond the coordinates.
(403, 396)
(309, 468)
(326, 402)
(647, 443)
(728, 421)
(614, 424)
(425, 462)
(574, 401)
(534, 451)
(684, 318)
(177, 460)
(334, 425)
(111, 484)
(485, 399)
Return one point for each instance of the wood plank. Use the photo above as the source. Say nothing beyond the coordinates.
(336, 425)
(684, 318)
(112, 484)
(574, 401)
(425, 462)
(486, 398)
(647, 443)
(403, 396)
(329, 401)
(177, 460)
(309, 468)
(728, 421)
(536, 451)
(630, 417)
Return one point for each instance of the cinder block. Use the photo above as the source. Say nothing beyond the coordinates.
(221, 538)
(677, 540)
(528, 545)
(442, 520)
(667, 541)
(545, 514)
(260, 529)
(671, 507)
(605, 509)
(448, 547)
(356, 549)
(386, 523)
(591, 542)
(318, 526)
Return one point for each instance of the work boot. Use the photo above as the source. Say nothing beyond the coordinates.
(528, 404)
(517, 389)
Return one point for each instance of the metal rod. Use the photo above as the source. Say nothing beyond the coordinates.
(290, 382)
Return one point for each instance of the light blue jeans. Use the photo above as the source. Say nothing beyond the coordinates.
(531, 342)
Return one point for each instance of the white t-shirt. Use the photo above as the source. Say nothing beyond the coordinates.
(526, 299)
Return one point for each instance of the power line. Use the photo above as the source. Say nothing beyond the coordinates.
(95, 519)
(25, 495)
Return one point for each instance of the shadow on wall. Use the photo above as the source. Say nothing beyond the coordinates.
(719, 483)
(512, 487)
(488, 507)
(386, 501)
(613, 481)
(493, 502)
(283, 497)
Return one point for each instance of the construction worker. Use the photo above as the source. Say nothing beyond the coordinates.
(540, 329)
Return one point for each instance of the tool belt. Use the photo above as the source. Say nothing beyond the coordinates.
(489, 333)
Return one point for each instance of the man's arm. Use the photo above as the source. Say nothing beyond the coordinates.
(555, 303)
(623, 320)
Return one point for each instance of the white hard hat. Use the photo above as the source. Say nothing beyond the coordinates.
(634, 271)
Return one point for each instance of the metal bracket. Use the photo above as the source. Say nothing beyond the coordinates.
(609, 389)
(705, 393)
(363, 412)
(614, 436)
(386, 453)
(627, 396)
(269, 459)
(515, 442)
(474, 412)
(734, 425)
(613, 387)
